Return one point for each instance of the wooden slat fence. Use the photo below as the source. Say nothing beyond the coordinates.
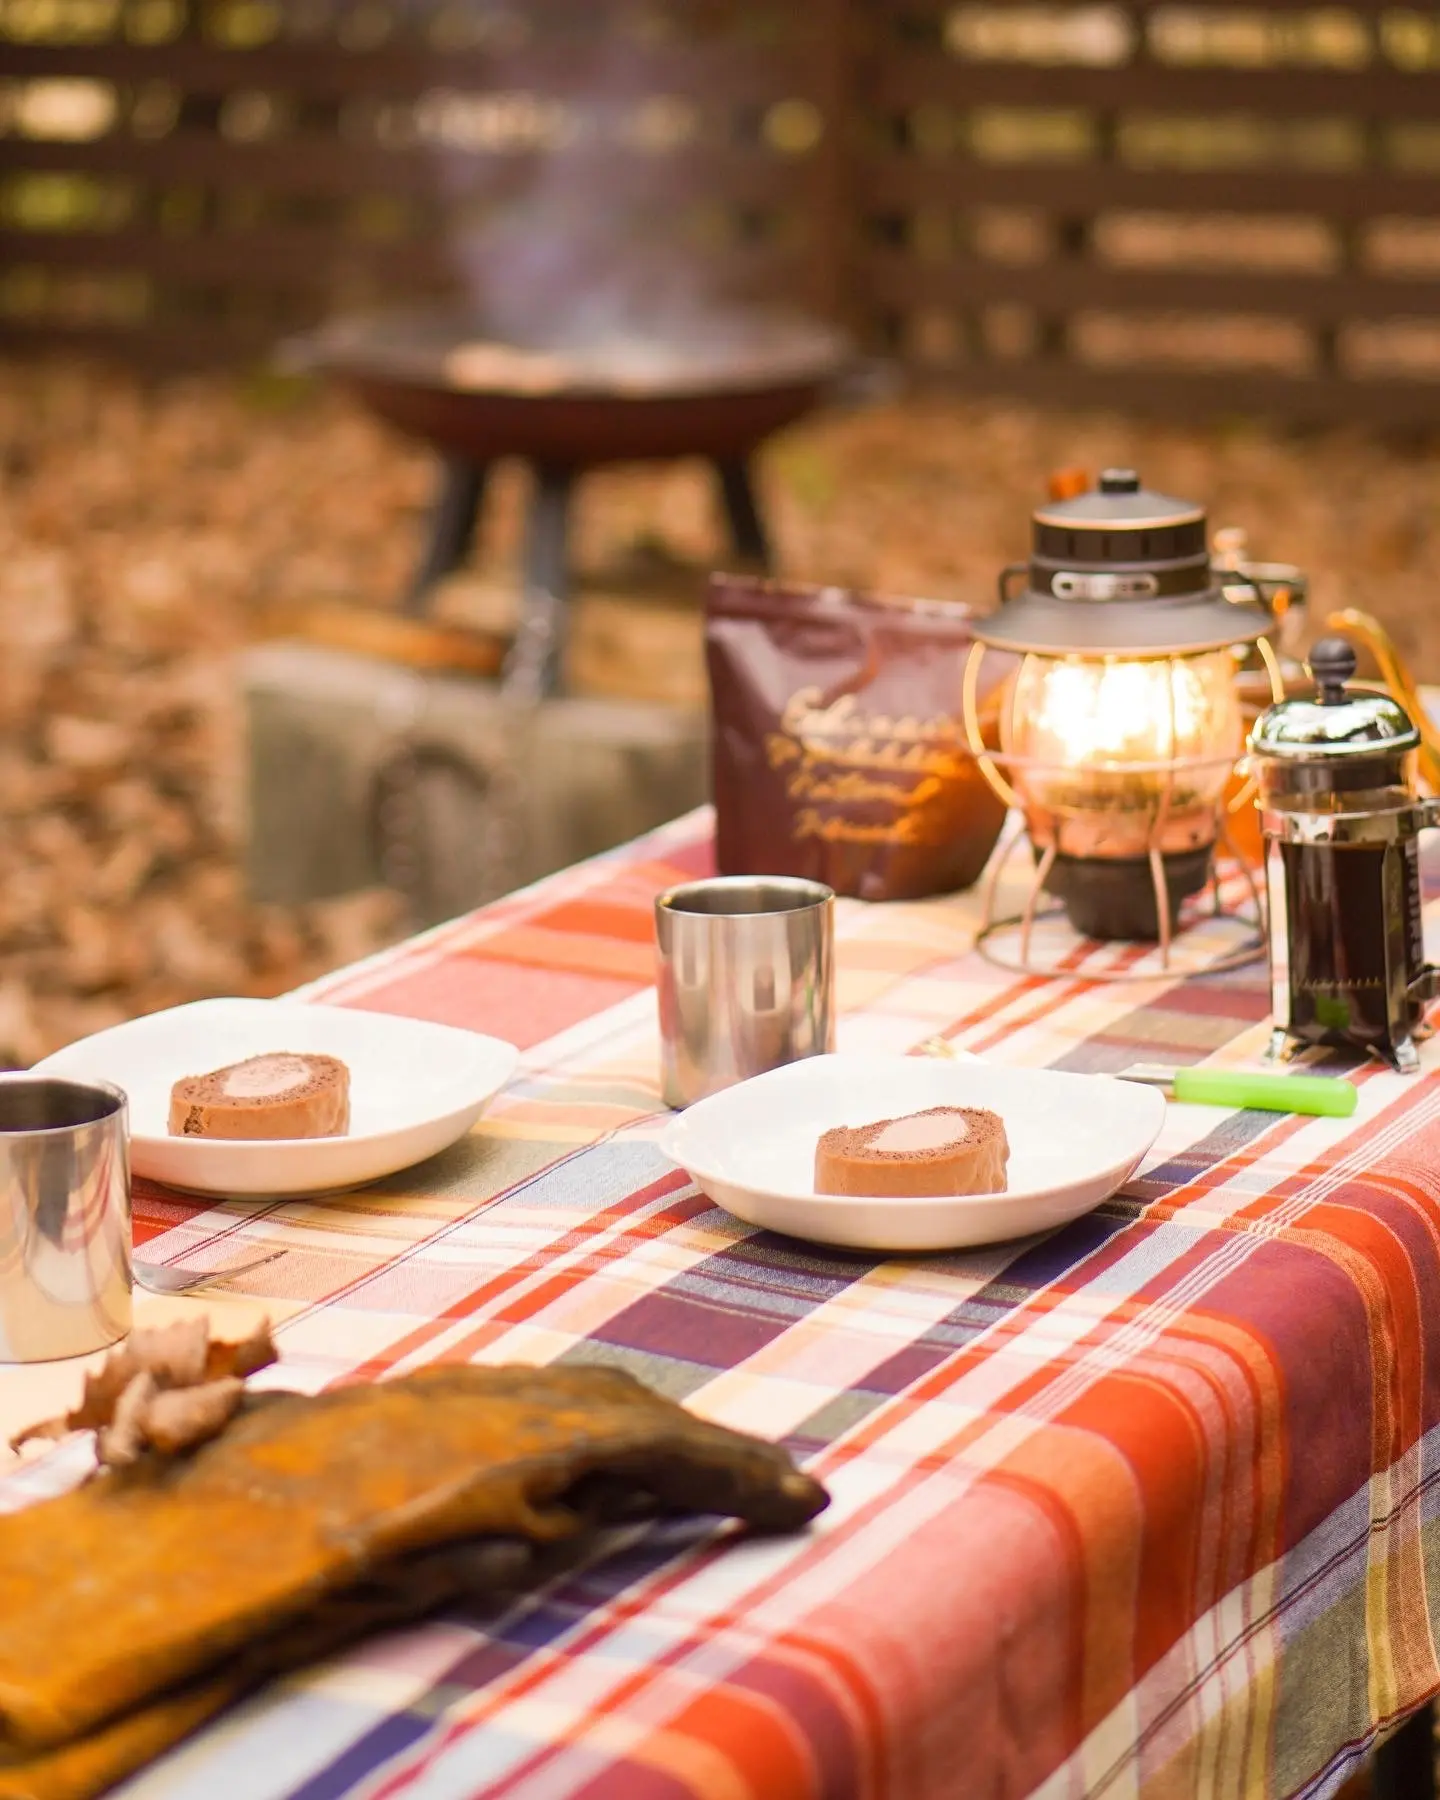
(1187, 204)
(1181, 205)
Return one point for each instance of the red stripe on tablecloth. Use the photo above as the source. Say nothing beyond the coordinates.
(158, 1210)
(534, 977)
(602, 917)
(491, 995)
(761, 1742)
(534, 945)
(1166, 1451)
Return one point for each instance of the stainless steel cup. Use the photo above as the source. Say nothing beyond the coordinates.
(746, 980)
(65, 1280)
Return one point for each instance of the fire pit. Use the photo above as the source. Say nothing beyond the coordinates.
(716, 388)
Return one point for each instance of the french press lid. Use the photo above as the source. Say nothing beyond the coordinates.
(1339, 723)
(1122, 571)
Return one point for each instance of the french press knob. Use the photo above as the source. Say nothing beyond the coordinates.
(1341, 819)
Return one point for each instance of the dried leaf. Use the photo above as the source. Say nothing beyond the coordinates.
(121, 1441)
(188, 1416)
(248, 1357)
(174, 1356)
(168, 1389)
(49, 1429)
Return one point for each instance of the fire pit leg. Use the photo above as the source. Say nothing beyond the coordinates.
(742, 510)
(534, 660)
(452, 527)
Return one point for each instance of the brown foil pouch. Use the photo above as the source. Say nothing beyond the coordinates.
(839, 751)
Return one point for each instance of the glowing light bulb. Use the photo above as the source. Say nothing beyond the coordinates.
(1113, 744)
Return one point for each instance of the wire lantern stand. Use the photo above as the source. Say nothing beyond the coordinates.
(1011, 943)
(1181, 949)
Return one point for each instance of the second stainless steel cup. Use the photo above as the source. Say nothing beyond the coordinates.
(746, 980)
(64, 1218)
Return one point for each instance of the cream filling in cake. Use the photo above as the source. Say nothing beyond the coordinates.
(265, 1075)
(923, 1131)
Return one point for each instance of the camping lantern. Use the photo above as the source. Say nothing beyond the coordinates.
(1123, 726)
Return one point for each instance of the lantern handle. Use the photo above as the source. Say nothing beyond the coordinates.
(1010, 570)
(970, 716)
(1250, 784)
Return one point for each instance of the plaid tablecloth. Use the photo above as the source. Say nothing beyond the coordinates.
(1146, 1507)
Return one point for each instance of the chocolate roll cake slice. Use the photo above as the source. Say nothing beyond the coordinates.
(281, 1095)
(944, 1150)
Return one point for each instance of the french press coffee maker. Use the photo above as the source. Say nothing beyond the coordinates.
(1341, 818)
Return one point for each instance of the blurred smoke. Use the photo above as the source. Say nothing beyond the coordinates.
(581, 214)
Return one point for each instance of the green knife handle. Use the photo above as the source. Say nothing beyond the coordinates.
(1319, 1094)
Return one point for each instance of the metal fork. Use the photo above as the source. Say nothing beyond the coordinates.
(175, 1278)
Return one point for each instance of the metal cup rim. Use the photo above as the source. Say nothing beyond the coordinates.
(12, 1078)
(815, 894)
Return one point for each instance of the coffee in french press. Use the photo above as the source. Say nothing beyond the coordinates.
(1341, 819)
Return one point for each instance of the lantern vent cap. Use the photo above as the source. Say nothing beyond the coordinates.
(1122, 571)
(1120, 503)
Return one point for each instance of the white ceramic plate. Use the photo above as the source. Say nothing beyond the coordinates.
(414, 1089)
(1074, 1139)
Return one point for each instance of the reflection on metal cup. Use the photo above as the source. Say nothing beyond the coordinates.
(746, 980)
(65, 1278)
